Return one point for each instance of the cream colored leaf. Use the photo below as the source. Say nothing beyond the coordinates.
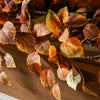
(73, 78)
(9, 61)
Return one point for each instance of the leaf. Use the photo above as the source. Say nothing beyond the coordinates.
(73, 78)
(64, 36)
(11, 6)
(43, 47)
(41, 29)
(24, 28)
(76, 20)
(72, 3)
(56, 91)
(33, 62)
(47, 78)
(9, 61)
(72, 48)
(1, 63)
(90, 31)
(7, 33)
(97, 13)
(53, 54)
(53, 22)
(87, 91)
(63, 14)
(17, 1)
(4, 79)
(98, 41)
(26, 43)
(62, 72)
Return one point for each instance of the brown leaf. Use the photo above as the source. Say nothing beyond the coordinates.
(47, 78)
(41, 29)
(9, 61)
(72, 3)
(43, 47)
(33, 62)
(63, 14)
(97, 13)
(87, 91)
(4, 79)
(90, 31)
(17, 1)
(11, 6)
(73, 78)
(72, 48)
(7, 33)
(53, 54)
(98, 41)
(56, 91)
(64, 36)
(53, 22)
(76, 20)
(26, 43)
(62, 72)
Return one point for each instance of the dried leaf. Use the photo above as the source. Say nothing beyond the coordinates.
(62, 72)
(63, 14)
(90, 31)
(53, 22)
(9, 61)
(24, 28)
(53, 54)
(33, 62)
(98, 41)
(4, 79)
(47, 78)
(64, 36)
(1, 63)
(72, 48)
(73, 78)
(72, 3)
(43, 47)
(97, 13)
(7, 33)
(87, 91)
(41, 29)
(11, 6)
(17, 1)
(56, 91)
(76, 20)
(26, 43)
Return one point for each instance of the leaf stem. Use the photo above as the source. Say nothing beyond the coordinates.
(2, 50)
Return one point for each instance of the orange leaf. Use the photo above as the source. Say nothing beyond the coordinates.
(43, 47)
(62, 72)
(53, 22)
(90, 31)
(47, 78)
(53, 54)
(4, 79)
(87, 91)
(33, 62)
(64, 36)
(72, 48)
(76, 20)
(56, 91)
(63, 14)
(26, 43)
(7, 33)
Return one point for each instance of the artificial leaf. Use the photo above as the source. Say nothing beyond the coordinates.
(53, 22)
(26, 43)
(43, 47)
(90, 31)
(87, 91)
(24, 28)
(73, 78)
(33, 62)
(4, 79)
(41, 29)
(63, 14)
(64, 36)
(53, 54)
(11, 6)
(62, 72)
(47, 78)
(76, 20)
(9, 61)
(56, 91)
(7, 33)
(72, 48)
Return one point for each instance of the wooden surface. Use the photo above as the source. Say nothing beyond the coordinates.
(26, 86)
